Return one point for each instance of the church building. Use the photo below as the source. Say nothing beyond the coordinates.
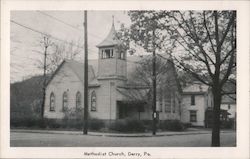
(110, 95)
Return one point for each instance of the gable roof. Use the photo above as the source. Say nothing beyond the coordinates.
(77, 68)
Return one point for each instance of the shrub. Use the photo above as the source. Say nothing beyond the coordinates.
(187, 125)
(227, 124)
(53, 123)
(171, 125)
(31, 121)
(148, 124)
(96, 124)
(128, 125)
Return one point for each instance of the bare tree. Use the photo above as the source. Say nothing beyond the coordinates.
(54, 53)
(58, 52)
(46, 43)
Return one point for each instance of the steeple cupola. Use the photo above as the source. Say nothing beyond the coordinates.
(111, 61)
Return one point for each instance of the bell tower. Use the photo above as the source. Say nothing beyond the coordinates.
(112, 62)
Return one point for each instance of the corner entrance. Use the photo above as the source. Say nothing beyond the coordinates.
(129, 109)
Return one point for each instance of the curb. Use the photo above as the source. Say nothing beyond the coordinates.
(157, 135)
(114, 135)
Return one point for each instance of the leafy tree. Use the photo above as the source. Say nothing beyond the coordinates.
(166, 78)
(202, 43)
(142, 74)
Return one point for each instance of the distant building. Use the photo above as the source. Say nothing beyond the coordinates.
(197, 104)
(110, 96)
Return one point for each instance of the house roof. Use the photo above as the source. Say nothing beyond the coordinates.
(229, 91)
(195, 88)
(228, 99)
(111, 38)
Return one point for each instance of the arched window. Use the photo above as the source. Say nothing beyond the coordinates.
(52, 102)
(78, 100)
(93, 101)
(65, 101)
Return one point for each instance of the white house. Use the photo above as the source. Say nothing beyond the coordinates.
(110, 97)
(197, 104)
(195, 101)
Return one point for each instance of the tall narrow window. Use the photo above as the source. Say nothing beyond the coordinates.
(193, 116)
(93, 101)
(52, 102)
(160, 105)
(192, 99)
(78, 100)
(174, 105)
(167, 102)
(65, 101)
(160, 100)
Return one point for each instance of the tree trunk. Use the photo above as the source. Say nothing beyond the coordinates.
(216, 117)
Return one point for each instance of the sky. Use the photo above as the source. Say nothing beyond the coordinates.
(64, 25)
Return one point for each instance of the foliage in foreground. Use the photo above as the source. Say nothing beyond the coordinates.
(125, 125)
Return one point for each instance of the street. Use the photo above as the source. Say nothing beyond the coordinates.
(24, 139)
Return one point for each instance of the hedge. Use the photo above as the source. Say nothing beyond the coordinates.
(122, 125)
(171, 125)
(128, 125)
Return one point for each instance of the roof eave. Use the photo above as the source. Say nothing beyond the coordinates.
(106, 45)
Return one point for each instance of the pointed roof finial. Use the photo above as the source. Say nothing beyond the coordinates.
(111, 38)
(113, 17)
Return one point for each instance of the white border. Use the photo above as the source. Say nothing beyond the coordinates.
(242, 7)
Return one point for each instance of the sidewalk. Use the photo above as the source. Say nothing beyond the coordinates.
(148, 134)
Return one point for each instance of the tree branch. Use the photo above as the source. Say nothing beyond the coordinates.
(195, 38)
(227, 29)
(185, 68)
(209, 36)
(228, 54)
(231, 62)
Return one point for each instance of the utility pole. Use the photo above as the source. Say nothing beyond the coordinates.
(85, 128)
(154, 86)
(46, 45)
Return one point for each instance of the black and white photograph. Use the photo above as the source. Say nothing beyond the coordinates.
(150, 78)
